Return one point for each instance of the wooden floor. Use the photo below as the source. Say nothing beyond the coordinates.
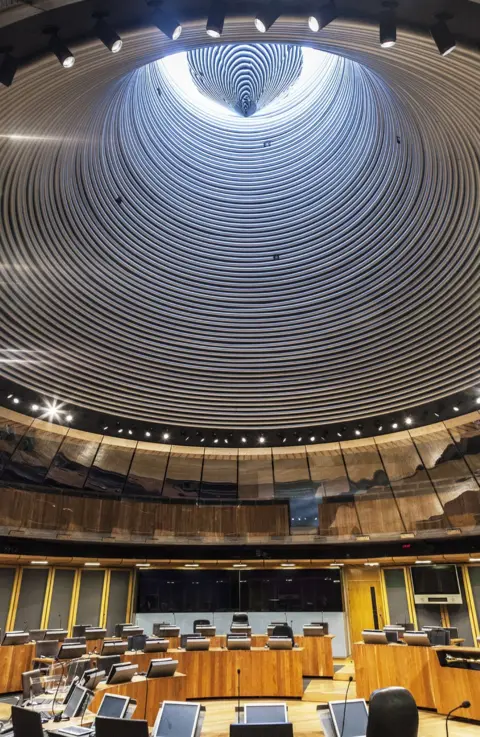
(220, 714)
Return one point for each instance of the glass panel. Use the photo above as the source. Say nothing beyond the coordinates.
(184, 472)
(327, 469)
(219, 475)
(13, 427)
(30, 601)
(35, 452)
(459, 616)
(291, 473)
(148, 469)
(75, 456)
(255, 474)
(111, 465)
(474, 573)
(338, 518)
(467, 438)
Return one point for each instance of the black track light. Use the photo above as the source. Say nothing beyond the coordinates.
(388, 25)
(8, 67)
(321, 17)
(442, 36)
(59, 49)
(167, 24)
(267, 16)
(216, 18)
(107, 35)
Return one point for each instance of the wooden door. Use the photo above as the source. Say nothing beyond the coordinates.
(365, 601)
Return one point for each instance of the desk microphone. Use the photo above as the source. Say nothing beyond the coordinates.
(174, 619)
(350, 679)
(238, 692)
(463, 705)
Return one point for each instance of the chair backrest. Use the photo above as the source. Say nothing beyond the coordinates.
(78, 640)
(29, 688)
(240, 618)
(26, 722)
(199, 621)
(36, 635)
(283, 630)
(392, 712)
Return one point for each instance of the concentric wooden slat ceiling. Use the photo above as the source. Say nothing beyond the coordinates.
(170, 306)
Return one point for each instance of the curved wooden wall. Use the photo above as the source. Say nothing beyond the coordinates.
(425, 480)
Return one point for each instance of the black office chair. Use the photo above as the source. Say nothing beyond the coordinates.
(438, 636)
(408, 626)
(196, 622)
(283, 630)
(240, 618)
(392, 712)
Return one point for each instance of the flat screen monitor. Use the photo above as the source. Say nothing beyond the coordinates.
(47, 649)
(351, 716)
(120, 626)
(79, 629)
(417, 638)
(162, 667)
(265, 713)
(176, 719)
(279, 643)
(131, 630)
(114, 647)
(207, 630)
(163, 629)
(313, 630)
(184, 638)
(197, 643)
(71, 689)
(113, 706)
(111, 727)
(122, 673)
(37, 635)
(239, 643)
(136, 642)
(70, 651)
(26, 722)
(59, 635)
(92, 677)
(16, 638)
(156, 645)
(392, 635)
(453, 632)
(374, 637)
(435, 580)
(95, 633)
(76, 703)
(261, 730)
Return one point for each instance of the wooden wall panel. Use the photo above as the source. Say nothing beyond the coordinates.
(111, 466)
(32, 458)
(184, 472)
(291, 473)
(255, 473)
(327, 469)
(13, 427)
(338, 518)
(74, 459)
(458, 491)
(219, 474)
(148, 468)
(466, 433)
(417, 500)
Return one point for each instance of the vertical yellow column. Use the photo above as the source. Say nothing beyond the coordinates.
(472, 609)
(72, 615)
(105, 597)
(12, 611)
(47, 601)
(410, 597)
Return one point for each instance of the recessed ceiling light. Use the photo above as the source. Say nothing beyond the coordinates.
(92, 564)
(202, 440)
(288, 565)
(408, 420)
(478, 400)
(166, 435)
(312, 438)
(34, 407)
(130, 432)
(300, 439)
(371, 564)
(69, 418)
(244, 440)
(39, 562)
(239, 565)
(456, 409)
(215, 440)
(357, 432)
(225, 441)
(422, 562)
(106, 427)
(261, 439)
(395, 425)
(191, 565)
(142, 565)
(147, 434)
(16, 400)
(120, 429)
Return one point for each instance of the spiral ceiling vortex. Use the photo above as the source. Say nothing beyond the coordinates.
(166, 258)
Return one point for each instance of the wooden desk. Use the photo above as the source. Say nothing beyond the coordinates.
(14, 660)
(149, 693)
(451, 686)
(381, 666)
(317, 658)
(94, 646)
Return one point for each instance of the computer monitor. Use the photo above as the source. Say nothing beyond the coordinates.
(76, 640)
(156, 645)
(184, 638)
(238, 628)
(207, 630)
(105, 662)
(71, 689)
(453, 632)
(77, 703)
(349, 718)
(79, 629)
(92, 677)
(313, 630)
(392, 635)
(176, 719)
(47, 649)
(95, 633)
(162, 667)
(15, 638)
(122, 673)
(197, 643)
(111, 727)
(37, 635)
(114, 647)
(438, 636)
(280, 643)
(58, 635)
(119, 628)
(374, 637)
(136, 642)
(70, 651)
(239, 643)
(261, 730)
(26, 722)
(113, 706)
(265, 713)
(417, 638)
(132, 630)
(163, 629)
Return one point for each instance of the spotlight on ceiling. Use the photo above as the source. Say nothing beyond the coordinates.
(442, 36)
(388, 25)
(456, 409)
(147, 434)
(107, 35)
(312, 438)
(244, 439)
(408, 420)
(166, 435)
(261, 439)
(167, 24)
(267, 16)
(35, 407)
(478, 400)
(59, 49)
(321, 17)
(8, 67)
(69, 418)
(358, 432)
(395, 425)
(216, 19)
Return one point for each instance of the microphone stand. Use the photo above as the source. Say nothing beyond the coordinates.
(238, 692)
(463, 705)
(345, 705)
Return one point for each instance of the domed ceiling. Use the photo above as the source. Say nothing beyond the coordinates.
(243, 234)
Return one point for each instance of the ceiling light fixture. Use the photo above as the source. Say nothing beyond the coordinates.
(267, 16)
(358, 432)
(473, 560)
(287, 564)
(59, 49)
(69, 418)
(442, 36)
(408, 420)
(191, 565)
(239, 565)
(39, 562)
(395, 425)
(244, 439)
(322, 17)
(371, 564)
(92, 564)
(105, 33)
(167, 24)
(142, 565)
(147, 434)
(422, 562)
(388, 25)
(456, 409)
(34, 407)
(261, 439)
(166, 435)
(52, 410)
(478, 400)
(216, 19)
(8, 67)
